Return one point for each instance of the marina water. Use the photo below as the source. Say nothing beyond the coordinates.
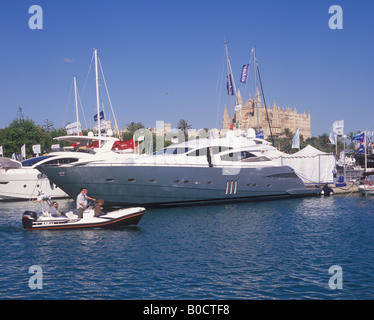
(258, 250)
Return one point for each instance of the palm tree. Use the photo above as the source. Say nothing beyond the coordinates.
(184, 126)
(132, 127)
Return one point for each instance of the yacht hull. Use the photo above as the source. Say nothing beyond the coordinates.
(22, 184)
(177, 185)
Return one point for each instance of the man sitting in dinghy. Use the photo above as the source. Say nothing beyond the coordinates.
(54, 210)
(98, 208)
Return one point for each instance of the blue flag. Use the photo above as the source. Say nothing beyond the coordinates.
(361, 149)
(359, 137)
(230, 88)
(244, 77)
(260, 135)
(101, 116)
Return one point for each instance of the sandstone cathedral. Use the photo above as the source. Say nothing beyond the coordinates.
(246, 116)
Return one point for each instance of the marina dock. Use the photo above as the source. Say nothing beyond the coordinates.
(341, 188)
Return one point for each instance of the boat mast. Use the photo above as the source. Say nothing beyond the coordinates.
(76, 102)
(97, 95)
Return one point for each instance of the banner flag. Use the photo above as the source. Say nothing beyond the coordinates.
(230, 88)
(338, 127)
(1, 151)
(74, 127)
(332, 136)
(23, 151)
(101, 116)
(359, 137)
(361, 149)
(296, 140)
(102, 126)
(260, 135)
(244, 77)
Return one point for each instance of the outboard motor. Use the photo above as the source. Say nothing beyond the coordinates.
(28, 218)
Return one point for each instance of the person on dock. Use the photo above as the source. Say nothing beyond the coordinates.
(335, 174)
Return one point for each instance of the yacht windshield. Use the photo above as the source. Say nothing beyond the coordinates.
(171, 151)
(30, 162)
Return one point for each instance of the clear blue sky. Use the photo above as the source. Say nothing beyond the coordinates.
(162, 60)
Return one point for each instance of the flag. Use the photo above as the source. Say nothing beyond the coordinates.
(332, 136)
(101, 116)
(238, 107)
(296, 140)
(359, 137)
(338, 127)
(230, 88)
(102, 126)
(244, 77)
(1, 151)
(260, 135)
(23, 151)
(361, 149)
(74, 127)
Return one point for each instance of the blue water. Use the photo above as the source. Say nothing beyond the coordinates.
(260, 250)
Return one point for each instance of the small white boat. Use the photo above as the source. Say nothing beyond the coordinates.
(366, 189)
(113, 219)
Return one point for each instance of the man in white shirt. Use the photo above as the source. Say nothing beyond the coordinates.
(82, 202)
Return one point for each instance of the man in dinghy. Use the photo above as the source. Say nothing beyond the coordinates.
(82, 202)
(54, 210)
(98, 208)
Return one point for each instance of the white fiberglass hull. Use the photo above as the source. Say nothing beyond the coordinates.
(114, 219)
(24, 183)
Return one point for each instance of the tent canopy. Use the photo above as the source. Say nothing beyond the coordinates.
(310, 164)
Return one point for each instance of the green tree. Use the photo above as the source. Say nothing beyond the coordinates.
(18, 133)
(184, 126)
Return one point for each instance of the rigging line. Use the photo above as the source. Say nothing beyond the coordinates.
(247, 86)
(266, 109)
(110, 102)
(80, 103)
(219, 85)
(88, 73)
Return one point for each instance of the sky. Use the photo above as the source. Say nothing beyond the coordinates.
(164, 60)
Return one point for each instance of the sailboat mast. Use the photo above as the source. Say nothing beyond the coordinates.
(97, 94)
(76, 101)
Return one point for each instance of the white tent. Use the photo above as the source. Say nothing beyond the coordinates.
(312, 165)
(276, 156)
